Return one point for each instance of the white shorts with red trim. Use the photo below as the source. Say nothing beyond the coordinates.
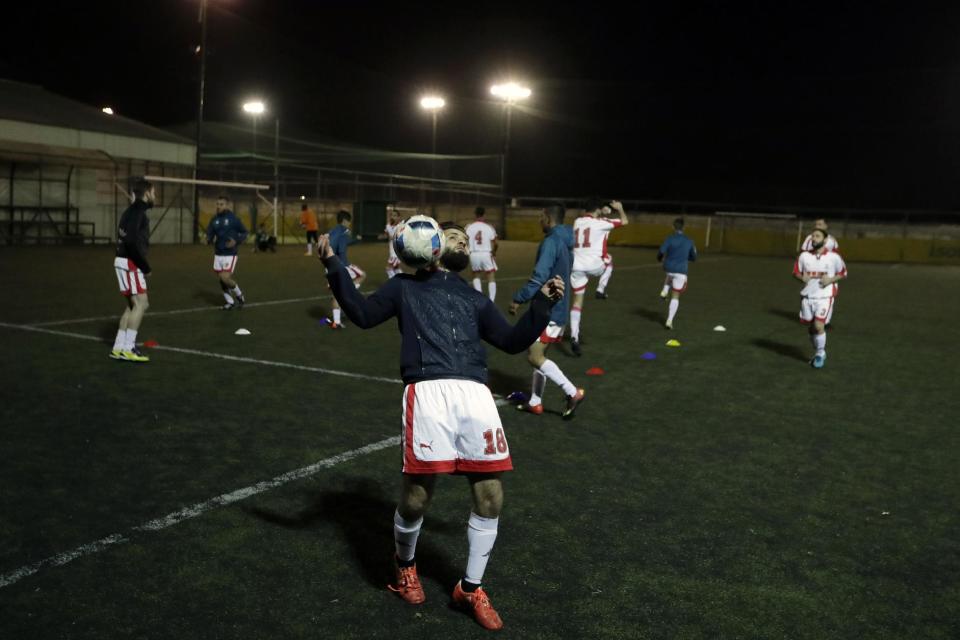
(585, 267)
(677, 281)
(482, 261)
(553, 333)
(816, 309)
(129, 277)
(224, 263)
(452, 426)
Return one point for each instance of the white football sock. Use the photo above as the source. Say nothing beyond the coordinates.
(550, 369)
(309, 248)
(119, 341)
(236, 291)
(665, 290)
(477, 285)
(605, 278)
(336, 316)
(536, 391)
(481, 534)
(226, 296)
(493, 291)
(820, 343)
(575, 323)
(405, 534)
(131, 340)
(674, 305)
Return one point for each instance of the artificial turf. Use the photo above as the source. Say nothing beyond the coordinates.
(723, 489)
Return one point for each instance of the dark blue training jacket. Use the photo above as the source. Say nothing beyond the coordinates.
(441, 320)
(339, 241)
(133, 235)
(554, 258)
(676, 251)
(226, 226)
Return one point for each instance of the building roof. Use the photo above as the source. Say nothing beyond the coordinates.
(32, 103)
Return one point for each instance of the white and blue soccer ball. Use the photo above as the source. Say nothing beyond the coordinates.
(418, 241)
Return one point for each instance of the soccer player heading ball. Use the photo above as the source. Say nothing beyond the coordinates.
(450, 420)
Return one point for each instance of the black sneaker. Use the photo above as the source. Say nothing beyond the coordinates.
(575, 347)
(602, 295)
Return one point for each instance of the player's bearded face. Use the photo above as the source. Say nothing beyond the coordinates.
(455, 257)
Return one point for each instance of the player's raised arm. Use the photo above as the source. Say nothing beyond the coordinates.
(617, 206)
(365, 312)
(495, 329)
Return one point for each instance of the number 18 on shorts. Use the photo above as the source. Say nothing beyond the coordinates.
(452, 426)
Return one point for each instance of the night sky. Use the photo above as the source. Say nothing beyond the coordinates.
(779, 103)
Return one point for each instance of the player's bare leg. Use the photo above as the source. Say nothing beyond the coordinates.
(125, 345)
(544, 368)
(818, 337)
(231, 291)
(415, 495)
(487, 493)
(672, 311)
(576, 308)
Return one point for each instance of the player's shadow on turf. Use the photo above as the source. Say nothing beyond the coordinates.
(786, 350)
(210, 297)
(655, 317)
(783, 313)
(365, 520)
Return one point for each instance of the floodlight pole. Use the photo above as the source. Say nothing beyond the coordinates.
(503, 159)
(433, 147)
(276, 174)
(199, 136)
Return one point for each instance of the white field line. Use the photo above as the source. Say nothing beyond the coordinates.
(53, 323)
(193, 511)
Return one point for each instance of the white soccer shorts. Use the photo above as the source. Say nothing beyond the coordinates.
(129, 277)
(224, 263)
(583, 268)
(452, 426)
(816, 309)
(482, 261)
(677, 281)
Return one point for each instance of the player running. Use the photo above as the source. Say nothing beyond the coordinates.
(308, 222)
(675, 253)
(393, 262)
(228, 233)
(590, 257)
(130, 263)
(450, 421)
(339, 241)
(819, 270)
(483, 252)
(553, 259)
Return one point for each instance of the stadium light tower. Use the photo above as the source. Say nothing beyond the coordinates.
(256, 108)
(433, 104)
(510, 93)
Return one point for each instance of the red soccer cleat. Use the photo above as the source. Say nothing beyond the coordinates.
(572, 403)
(535, 409)
(479, 604)
(408, 585)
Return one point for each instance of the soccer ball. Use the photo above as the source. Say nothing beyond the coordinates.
(418, 241)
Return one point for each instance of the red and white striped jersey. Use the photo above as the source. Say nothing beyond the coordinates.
(590, 236)
(481, 235)
(830, 244)
(816, 266)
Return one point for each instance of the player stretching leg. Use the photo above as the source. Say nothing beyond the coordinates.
(553, 259)
(227, 233)
(483, 252)
(450, 421)
(130, 263)
(819, 270)
(675, 252)
(590, 258)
